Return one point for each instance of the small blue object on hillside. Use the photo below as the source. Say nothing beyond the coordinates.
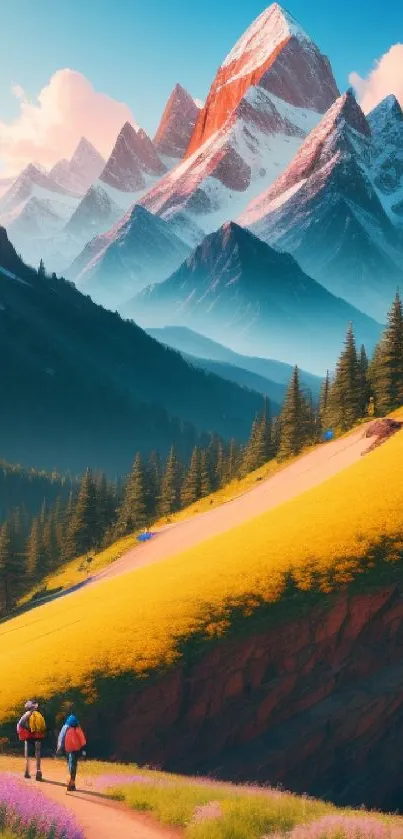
(145, 537)
(328, 435)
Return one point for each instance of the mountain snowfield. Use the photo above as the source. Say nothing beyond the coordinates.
(327, 212)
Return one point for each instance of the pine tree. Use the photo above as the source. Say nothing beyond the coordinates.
(386, 371)
(215, 460)
(259, 448)
(191, 488)
(324, 398)
(58, 513)
(34, 550)
(50, 555)
(292, 419)
(133, 511)
(345, 397)
(41, 269)
(311, 421)
(106, 504)
(153, 484)
(82, 535)
(218, 475)
(233, 462)
(5, 564)
(365, 389)
(205, 476)
(169, 501)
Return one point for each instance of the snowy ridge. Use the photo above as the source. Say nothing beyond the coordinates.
(326, 211)
(139, 249)
(206, 190)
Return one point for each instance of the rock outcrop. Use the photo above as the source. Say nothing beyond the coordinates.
(314, 703)
(177, 124)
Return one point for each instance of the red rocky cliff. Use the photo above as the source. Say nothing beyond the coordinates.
(315, 704)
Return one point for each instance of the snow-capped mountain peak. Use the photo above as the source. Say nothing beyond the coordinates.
(388, 109)
(386, 122)
(272, 28)
(326, 211)
(78, 174)
(267, 96)
(140, 248)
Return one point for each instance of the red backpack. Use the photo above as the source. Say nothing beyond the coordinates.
(74, 740)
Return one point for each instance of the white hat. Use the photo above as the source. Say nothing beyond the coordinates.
(30, 705)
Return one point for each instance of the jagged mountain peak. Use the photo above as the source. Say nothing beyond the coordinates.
(133, 158)
(343, 125)
(177, 124)
(268, 31)
(385, 114)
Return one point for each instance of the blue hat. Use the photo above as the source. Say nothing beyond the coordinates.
(72, 721)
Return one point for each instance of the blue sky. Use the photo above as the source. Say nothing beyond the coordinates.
(136, 51)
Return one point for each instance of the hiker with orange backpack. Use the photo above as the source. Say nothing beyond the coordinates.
(72, 742)
(31, 730)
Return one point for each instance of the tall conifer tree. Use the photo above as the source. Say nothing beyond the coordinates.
(133, 512)
(292, 419)
(346, 398)
(82, 532)
(191, 487)
(386, 371)
(169, 501)
(205, 476)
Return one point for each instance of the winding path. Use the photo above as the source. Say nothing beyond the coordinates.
(305, 473)
(99, 816)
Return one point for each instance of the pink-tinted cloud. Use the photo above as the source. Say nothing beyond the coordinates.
(67, 109)
(385, 78)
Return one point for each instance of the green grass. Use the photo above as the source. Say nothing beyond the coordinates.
(205, 809)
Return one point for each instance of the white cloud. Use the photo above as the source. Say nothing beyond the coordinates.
(384, 79)
(66, 109)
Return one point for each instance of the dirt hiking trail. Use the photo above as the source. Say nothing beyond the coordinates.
(305, 473)
(98, 815)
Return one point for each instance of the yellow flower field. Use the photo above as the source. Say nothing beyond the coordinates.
(133, 622)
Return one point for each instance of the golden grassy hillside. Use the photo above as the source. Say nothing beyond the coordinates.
(134, 622)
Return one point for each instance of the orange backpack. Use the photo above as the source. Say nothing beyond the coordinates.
(74, 740)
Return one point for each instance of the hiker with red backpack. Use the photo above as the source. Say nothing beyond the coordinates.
(72, 742)
(31, 730)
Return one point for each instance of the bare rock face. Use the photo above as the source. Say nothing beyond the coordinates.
(177, 124)
(277, 54)
(314, 704)
(132, 159)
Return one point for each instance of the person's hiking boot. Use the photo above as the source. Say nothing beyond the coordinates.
(26, 774)
(38, 776)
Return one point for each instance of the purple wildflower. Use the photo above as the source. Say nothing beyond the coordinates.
(27, 810)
